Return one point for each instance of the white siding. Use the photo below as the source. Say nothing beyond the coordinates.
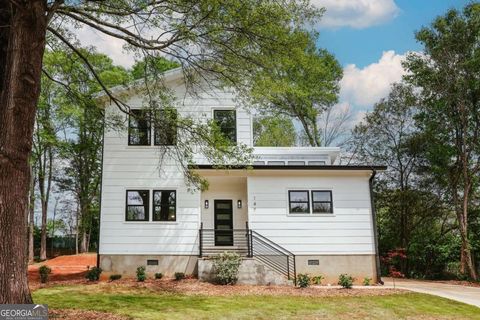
(347, 231)
(138, 167)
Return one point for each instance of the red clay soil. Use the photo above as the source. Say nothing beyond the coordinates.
(71, 267)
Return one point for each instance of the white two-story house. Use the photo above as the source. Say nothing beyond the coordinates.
(293, 210)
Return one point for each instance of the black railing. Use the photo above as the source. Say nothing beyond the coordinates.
(248, 243)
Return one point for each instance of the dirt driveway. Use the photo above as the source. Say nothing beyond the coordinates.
(465, 294)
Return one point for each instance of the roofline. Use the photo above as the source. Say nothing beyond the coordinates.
(288, 167)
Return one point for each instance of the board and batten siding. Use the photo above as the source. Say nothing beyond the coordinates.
(347, 231)
(139, 167)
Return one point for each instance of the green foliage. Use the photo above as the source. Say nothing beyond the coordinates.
(317, 280)
(114, 277)
(93, 274)
(367, 281)
(158, 275)
(179, 276)
(141, 275)
(346, 281)
(273, 131)
(151, 65)
(225, 267)
(44, 271)
(303, 280)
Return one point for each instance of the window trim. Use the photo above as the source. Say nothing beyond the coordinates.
(290, 202)
(236, 122)
(147, 211)
(330, 202)
(149, 121)
(155, 131)
(153, 204)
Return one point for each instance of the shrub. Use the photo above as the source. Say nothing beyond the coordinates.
(317, 280)
(226, 266)
(44, 273)
(93, 274)
(303, 280)
(158, 275)
(179, 276)
(346, 281)
(114, 277)
(367, 281)
(141, 275)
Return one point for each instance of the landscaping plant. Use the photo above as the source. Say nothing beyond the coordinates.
(179, 276)
(44, 273)
(141, 275)
(317, 280)
(114, 277)
(225, 267)
(93, 274)
(367, 281)
(346, 281)
(158, 275)
(303, 280)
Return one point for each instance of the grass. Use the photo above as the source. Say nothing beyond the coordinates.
(142, 303)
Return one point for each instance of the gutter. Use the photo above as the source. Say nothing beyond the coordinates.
(374, 225)
(101, 187)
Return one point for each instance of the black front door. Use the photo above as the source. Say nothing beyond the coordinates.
(223, 222)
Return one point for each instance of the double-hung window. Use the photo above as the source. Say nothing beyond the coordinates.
(310, 202)
(137, 207)
(166, 127)
(164, 205)
(298, 201)
(139, 128)
(226, 120)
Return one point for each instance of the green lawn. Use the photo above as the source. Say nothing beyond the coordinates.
(141, 303)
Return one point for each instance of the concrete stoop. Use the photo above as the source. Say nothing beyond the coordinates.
(251, 272)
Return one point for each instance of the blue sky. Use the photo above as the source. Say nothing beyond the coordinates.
(365, 46)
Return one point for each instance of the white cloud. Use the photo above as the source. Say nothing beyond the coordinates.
(366, 86)
(356, 13)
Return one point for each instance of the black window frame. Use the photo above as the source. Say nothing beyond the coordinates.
(161, 207)
(329, 202)
(148, 128)
(215, 111)
(290, 202)
(174, 131)
(146, 206)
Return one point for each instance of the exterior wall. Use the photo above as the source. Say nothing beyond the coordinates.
(225, 188)
(348, 231)
(139, 167)
(127, 264)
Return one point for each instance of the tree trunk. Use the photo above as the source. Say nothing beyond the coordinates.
(43, 237)
(466, 257)
(22, 43)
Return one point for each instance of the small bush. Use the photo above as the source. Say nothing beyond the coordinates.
(158, 275)
(93, 274)
(303, 280)
(141, 275)
(317, 280)
(367, 281)
(114, 277)
(44, 273)
(179, 276)
(346, 281)
(226, 266)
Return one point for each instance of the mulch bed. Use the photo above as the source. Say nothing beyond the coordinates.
(83, 314)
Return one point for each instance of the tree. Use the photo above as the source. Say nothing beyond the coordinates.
(228, 41)
(152, 65)
(302, 86)
(274, 132)
(448, 75)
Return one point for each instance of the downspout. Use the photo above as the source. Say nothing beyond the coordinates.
(375, 230)
(101, 187)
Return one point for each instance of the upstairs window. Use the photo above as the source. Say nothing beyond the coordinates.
(322, 202)
(164, 205)
(166, 127)
(138, 128)
(137, 205)
(227, 122)
(298, 201)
